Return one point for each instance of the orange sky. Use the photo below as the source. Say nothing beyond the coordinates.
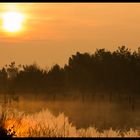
(54, 31)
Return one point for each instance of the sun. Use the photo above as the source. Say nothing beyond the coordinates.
(12, 21)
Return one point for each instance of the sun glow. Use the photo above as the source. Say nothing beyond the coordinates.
(12, 21)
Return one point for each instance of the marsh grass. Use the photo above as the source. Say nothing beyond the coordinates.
(45, 124)
(5, 132)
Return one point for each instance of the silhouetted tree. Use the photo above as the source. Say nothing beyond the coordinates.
(31, 77)
(115, 73)
(3, 79)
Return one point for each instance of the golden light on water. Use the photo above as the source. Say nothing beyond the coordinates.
(12, 21)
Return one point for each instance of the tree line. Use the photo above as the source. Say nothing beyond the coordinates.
(102, 71)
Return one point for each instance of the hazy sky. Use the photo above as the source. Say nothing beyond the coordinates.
(54, 31)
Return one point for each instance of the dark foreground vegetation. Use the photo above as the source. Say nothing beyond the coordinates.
(112, 73)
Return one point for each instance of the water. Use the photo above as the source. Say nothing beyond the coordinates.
(101, 114)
